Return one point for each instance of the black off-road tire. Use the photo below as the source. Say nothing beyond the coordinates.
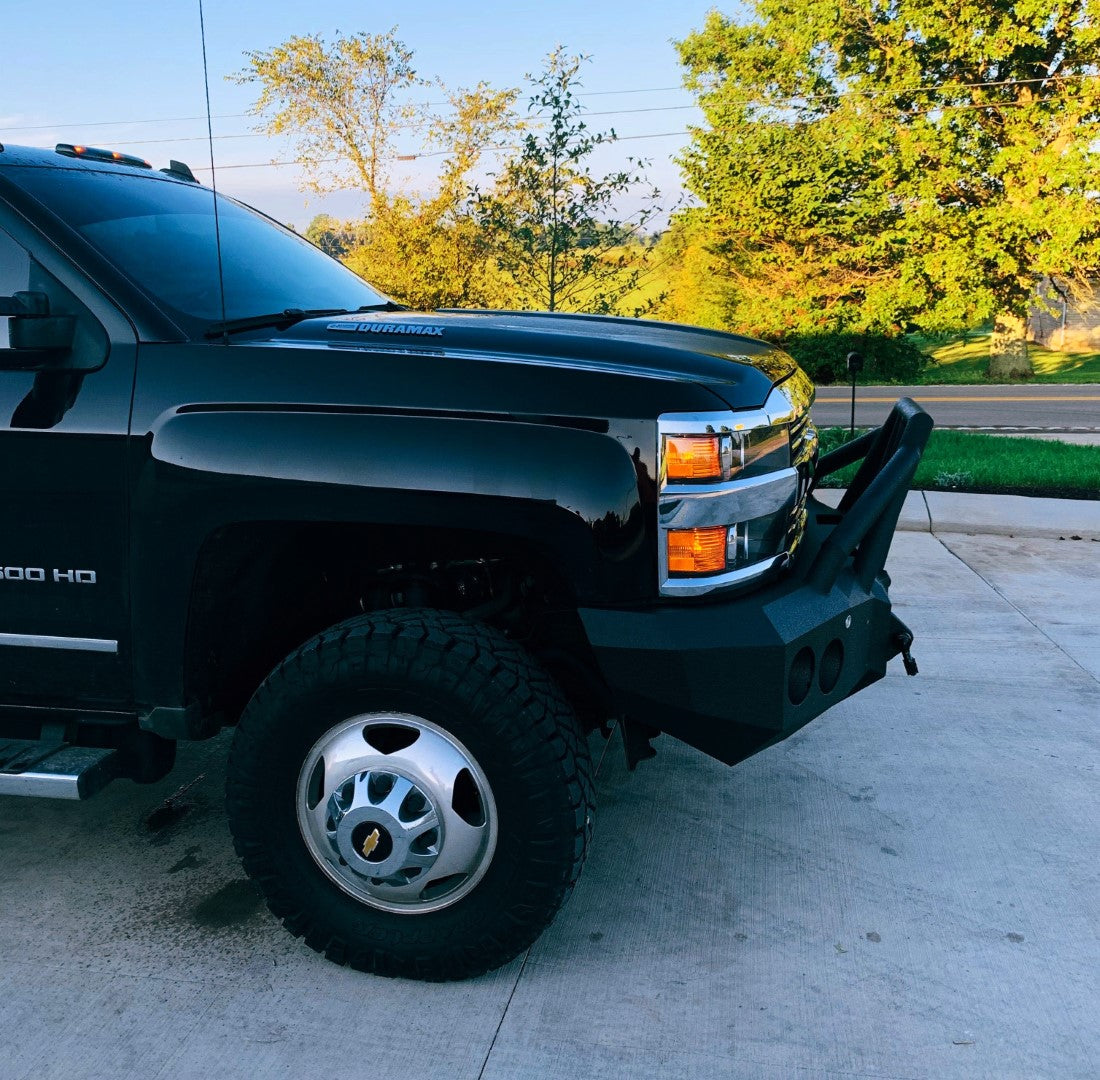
(475, 684)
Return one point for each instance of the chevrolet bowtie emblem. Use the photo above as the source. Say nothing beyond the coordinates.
(371, 843)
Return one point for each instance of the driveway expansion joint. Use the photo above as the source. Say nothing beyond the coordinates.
(928, 511)
(1015, 607)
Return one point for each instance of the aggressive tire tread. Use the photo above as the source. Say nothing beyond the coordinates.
(536, 747)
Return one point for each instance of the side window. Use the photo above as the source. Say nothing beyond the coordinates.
(15, 275)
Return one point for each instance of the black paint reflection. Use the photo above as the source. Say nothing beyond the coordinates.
(51, 396)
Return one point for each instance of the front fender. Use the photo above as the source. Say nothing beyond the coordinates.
(572, 494)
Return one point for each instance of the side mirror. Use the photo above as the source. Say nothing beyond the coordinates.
(34, 335)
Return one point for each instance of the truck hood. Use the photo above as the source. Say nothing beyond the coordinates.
(739, 370)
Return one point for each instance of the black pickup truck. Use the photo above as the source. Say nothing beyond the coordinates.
(414, 558)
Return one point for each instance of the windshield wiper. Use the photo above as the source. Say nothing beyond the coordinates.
(283, 320)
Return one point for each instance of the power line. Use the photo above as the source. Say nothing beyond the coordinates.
(854, 91)
(406, 127)
(829, 95)
(238, 116)
(680, 132)
(653, 135)
(648, 109)
(125, 123)
(197, 138)
(981, 85)
(425, 154)
(790, 101)
(340, 161)
(642, 90)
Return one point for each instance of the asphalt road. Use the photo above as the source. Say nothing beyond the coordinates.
(1062, 408)
(907, 888)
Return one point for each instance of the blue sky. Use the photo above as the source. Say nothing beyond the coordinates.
(123, 73)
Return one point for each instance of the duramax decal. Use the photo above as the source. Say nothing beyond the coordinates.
(422, 329)
(41, 574)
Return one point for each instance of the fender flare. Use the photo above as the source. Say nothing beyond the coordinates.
(571, 493)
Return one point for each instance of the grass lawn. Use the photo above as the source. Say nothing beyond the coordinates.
(965, 360)
(997, 464)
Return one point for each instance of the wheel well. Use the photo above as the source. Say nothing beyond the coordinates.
(261, 589)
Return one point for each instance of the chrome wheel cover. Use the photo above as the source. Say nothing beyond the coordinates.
(397, 812)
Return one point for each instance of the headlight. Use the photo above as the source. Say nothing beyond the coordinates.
(731, 500)
(695, 459)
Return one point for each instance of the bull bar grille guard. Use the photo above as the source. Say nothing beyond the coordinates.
(870, 508)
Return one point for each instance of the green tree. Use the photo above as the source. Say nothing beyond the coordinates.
(333, 237)
(345, 103)
(691, 273)
(551, 221)
(341, 103)
(430, 251)
(875, 166)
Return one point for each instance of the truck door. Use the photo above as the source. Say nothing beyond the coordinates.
(63, 432)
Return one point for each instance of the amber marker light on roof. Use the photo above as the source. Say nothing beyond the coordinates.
(93, 153)
(697, 551)
(693, 457)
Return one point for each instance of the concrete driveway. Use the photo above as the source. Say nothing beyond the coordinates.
(908, 888)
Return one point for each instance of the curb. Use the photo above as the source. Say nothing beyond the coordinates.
(993, 515)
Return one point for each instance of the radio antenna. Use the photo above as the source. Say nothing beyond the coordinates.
(213, 174)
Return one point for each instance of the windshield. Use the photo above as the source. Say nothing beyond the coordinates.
(161, 235)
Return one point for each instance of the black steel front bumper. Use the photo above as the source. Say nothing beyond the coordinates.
(733, 676)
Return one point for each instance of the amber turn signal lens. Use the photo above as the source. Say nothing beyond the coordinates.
(692, 457)
(697, 551)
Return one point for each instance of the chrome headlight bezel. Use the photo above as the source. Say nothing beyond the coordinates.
(765, 491)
